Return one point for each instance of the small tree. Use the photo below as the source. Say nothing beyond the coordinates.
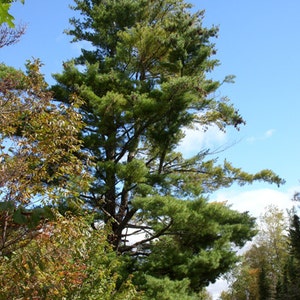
(39, 147)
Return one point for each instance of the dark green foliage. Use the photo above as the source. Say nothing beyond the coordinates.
(294, 234)
(290, 286)
(166, 289)
(195, 239)
(264, 288)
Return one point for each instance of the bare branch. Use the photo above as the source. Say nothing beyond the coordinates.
(10, 36)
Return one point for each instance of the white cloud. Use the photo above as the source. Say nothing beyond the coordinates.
(269, 133)
(266, 135)
(196, 140)
(216, 288)
(255, 201)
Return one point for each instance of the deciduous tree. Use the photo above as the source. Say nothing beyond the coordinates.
(39, 148)
(66, 260)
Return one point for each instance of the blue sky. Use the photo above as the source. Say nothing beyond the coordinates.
(259, 43)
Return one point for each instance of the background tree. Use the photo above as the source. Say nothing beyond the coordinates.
(289, 283)
(265, 262)
(143, 81)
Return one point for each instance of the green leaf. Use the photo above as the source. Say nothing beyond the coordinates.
(5, 16)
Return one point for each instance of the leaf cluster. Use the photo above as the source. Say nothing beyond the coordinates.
(65, 260)
(5, 16)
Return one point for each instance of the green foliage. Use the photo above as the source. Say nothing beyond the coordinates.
(166, 289)
(194, 238)
(5, 16)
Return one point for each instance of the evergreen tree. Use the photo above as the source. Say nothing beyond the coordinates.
(294, 235)
(264, 289)
(292, 280)
(143, 81)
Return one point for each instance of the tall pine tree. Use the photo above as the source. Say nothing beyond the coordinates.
(143, 80)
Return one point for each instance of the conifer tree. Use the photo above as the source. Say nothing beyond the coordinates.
(292, 276)
(294, 235)
(264, 288)
(143, 80)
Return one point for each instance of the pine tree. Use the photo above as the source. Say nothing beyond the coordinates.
(143, 81)
(294, 235)
(292, 282)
